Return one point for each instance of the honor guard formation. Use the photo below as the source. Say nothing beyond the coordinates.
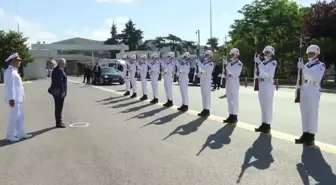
(307, 94)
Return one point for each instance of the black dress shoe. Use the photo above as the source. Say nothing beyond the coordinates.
(264, 128)
(302, 139)
(154, 101)
(168, 104)
(310, 141)
(205, 113)
(143, 98)
(134, 95)
(127, 93)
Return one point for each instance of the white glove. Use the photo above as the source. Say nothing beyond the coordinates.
(300, 64)
(225, 62)
(257, 59)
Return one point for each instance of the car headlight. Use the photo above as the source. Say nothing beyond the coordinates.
(105, 76)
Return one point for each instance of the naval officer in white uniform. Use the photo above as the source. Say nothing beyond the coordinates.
(14, 97)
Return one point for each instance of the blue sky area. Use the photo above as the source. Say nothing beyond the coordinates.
(50, 20)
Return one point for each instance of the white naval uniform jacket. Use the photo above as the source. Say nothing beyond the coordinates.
(13, 85)
(184, 68)
(313, 73)
(233, 71)
(168, 68)
(142, 68)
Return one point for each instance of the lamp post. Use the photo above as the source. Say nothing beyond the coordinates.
(17, 16)
(210, 19)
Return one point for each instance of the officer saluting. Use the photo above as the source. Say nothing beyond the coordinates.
(184, 68)
(233, 71)
(14, 96)
(266, 88)
(313, 72)
(205, 72)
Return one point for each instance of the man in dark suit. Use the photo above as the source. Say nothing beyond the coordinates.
(216, 76)
(97, 73)
(58, 89)
(87, 74)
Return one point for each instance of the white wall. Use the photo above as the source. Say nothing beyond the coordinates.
(36, 69)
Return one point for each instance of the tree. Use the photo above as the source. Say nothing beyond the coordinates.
(174, 42)
(145, 45)
(273, 22)
(113, 40)
(319, 28)
(131, 36)
(188, 45)
(159, 42)
(13, 42)
(213, 43)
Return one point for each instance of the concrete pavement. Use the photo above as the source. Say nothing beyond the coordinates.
(132, 142)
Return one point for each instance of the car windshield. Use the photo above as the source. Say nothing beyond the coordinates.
(109, 70)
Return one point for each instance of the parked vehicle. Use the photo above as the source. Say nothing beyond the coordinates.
(111, 75)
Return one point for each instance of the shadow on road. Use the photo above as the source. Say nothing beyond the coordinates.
(314, 165)
(164, 119)
(222, 97)
(125, 104)
(148, 113)
(188, 128)
(134, 109)
(5, 142)
(110, 98)
(218, 139)
(116, 101)
(261, 150)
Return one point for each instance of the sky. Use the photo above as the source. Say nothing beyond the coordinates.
(51, 20)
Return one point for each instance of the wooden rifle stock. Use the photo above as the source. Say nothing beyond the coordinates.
(298, 90)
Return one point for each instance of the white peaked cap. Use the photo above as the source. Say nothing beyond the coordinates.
(15, 55)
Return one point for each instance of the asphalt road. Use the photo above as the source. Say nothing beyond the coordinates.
(132, 142)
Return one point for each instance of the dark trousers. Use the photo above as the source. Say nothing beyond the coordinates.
(96, 78)
(216, 81)
(87, 78)
(58, 109)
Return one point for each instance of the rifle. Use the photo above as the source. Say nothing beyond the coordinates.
(148, 68)
(223, 79)
(196, 71)
(175, 73)
(256, 67)
(161, 69)
(299, 78)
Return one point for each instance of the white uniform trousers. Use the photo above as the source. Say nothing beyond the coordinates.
(232, 97)
(309, 105)
(16, 121)
(183, 83)
(266, 94)
(128, 84)
(134, 84)
(168, 86)
(143, 83)
(154, 83)
(205, 82)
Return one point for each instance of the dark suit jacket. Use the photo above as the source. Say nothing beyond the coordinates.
(58, 82)
(99, 70)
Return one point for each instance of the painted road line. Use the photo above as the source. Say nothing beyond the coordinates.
(275, 134)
